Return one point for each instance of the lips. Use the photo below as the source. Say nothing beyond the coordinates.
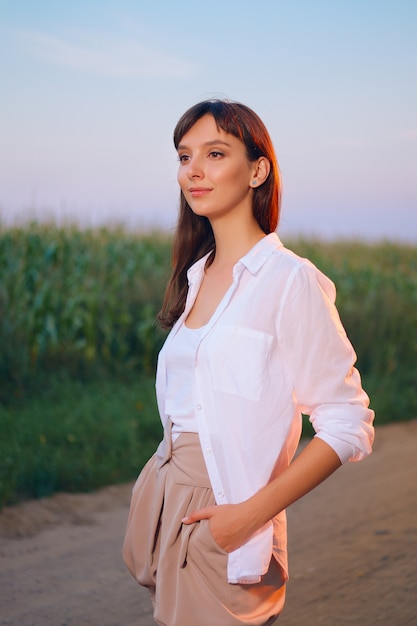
(198, 192)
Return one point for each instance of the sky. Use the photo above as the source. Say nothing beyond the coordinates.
(90, 93)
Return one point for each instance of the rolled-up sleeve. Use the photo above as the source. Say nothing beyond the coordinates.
(321, 360)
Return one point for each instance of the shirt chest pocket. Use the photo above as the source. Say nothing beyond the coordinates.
(238, 359)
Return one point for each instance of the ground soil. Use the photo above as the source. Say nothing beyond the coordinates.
(352, 547)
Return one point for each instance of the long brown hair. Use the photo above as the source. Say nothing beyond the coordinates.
(194, 236)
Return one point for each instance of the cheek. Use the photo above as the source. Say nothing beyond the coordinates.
(181, 177)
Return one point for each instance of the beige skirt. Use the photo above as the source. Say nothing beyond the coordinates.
(183, 567)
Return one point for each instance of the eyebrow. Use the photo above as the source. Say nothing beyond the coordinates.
(214, 142)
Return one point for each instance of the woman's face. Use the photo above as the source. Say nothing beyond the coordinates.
(214, 172)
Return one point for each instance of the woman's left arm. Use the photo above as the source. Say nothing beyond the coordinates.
(233, 524)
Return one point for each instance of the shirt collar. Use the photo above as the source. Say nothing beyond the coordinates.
(253, 260)
(257, 255)
(197, 268)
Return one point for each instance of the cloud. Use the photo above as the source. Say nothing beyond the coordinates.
(105, 56)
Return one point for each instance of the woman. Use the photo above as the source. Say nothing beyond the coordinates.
(255, 341)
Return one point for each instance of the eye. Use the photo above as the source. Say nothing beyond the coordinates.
(215, 154)
(183, 158)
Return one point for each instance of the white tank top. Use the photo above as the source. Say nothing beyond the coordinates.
(180, 359)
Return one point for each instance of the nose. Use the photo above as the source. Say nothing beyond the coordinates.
(195, 169)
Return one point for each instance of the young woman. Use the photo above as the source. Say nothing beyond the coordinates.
(256, 340)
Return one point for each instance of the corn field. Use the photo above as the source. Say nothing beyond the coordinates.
(78, 301)
(85, 301)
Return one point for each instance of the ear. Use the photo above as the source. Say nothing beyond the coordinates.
(260, 172)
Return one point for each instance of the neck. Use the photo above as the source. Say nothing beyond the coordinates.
(234, 240)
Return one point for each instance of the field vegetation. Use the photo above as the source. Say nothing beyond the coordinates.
(78, 347)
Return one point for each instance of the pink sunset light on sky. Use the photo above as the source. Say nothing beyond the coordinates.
(91, 93)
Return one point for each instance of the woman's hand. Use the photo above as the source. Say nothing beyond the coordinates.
(233, 524)
(229, 524)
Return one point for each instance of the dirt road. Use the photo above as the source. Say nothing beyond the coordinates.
(352, 547)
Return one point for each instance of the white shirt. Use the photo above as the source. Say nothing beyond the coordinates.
(180, 362)
(274, 348)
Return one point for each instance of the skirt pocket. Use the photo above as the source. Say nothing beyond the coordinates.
(186, 532)
(207, 538)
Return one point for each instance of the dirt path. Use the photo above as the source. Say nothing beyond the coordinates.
(353, 551)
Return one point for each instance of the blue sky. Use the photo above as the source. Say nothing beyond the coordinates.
(91, 91)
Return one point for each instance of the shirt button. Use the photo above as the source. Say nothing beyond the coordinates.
(220, 494)
(199, 407)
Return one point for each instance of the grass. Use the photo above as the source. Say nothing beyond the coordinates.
(74, 437)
